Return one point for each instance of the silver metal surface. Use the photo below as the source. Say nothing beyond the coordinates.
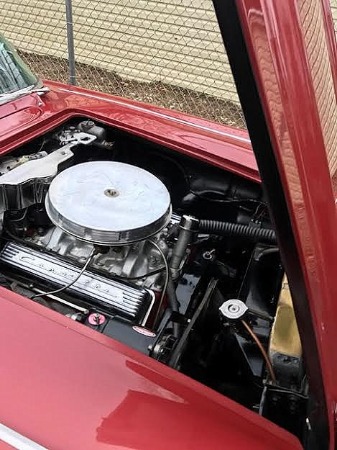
(70, 42)
(27, 183)
(108, 203)
(37, 168)
(17, 440)
(133, 261)
(187, 227)
(62, 301)
(26, 288)
(9, 163)
(175, 218)
(233, 309)
(131, 302)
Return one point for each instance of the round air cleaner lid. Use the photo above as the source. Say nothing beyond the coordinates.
(108, 203)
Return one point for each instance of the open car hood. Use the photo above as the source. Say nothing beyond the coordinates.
(283, 57)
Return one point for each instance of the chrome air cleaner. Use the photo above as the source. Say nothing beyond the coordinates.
(108, 203)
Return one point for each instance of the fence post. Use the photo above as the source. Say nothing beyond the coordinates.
(70, 42)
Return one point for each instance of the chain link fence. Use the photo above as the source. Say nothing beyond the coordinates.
(164, 52)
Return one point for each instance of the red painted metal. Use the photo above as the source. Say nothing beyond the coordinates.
(224, 146)
(66, 386)
(4, 446)
(279, 58)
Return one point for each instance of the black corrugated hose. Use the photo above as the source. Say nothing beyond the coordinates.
(234, 229)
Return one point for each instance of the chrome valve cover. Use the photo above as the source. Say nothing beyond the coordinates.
(127, 301)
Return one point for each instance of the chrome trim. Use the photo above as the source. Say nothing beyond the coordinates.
(17, 440)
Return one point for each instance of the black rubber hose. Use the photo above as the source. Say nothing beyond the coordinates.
(235, 229)
(174, 304)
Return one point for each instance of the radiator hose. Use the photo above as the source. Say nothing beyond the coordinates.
(234, 229)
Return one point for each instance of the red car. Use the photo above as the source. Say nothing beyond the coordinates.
(166, 282)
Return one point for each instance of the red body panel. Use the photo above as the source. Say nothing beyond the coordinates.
(280, 61)
(4, 446)
(68, 387)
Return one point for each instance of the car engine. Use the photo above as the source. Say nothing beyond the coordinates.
(167, 254)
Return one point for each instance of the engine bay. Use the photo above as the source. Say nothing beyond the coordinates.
(169, 255)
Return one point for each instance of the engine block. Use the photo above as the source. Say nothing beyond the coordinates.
(134, 262)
